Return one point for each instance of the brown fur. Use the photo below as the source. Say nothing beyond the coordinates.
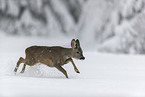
(55, 56)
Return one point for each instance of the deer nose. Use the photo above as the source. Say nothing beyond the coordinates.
(82, 58)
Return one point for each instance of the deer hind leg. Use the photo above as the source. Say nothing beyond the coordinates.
(23, 69)
(28, 61)
(21, 60)
(62, 70)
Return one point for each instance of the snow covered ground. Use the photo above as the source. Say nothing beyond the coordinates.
(102, 75)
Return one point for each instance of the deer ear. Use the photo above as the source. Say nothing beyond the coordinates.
(73, 44)
(77, 43)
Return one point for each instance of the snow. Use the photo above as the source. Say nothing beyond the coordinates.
(13, 8)
(102, 20)
(64, 17)
(103, 25)
(101, 74)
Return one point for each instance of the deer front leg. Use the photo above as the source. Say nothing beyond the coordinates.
(62, 70)
(75, 68)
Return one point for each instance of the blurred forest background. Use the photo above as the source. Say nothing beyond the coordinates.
(116, 26)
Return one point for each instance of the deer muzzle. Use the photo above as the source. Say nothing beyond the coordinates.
(82, 58)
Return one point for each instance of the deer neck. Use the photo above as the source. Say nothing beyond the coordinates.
(69, 53)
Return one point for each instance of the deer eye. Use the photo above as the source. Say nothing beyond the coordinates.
(78, 52)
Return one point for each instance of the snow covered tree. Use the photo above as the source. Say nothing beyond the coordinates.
(128, 31)
(104, 25)
(39, 17)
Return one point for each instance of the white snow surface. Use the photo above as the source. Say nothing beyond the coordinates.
(102, 75)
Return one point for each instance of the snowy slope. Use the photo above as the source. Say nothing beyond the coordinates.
(102, 75)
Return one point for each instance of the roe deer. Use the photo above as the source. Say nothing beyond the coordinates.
(54, 56)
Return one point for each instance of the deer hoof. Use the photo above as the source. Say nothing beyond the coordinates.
(77, 71)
